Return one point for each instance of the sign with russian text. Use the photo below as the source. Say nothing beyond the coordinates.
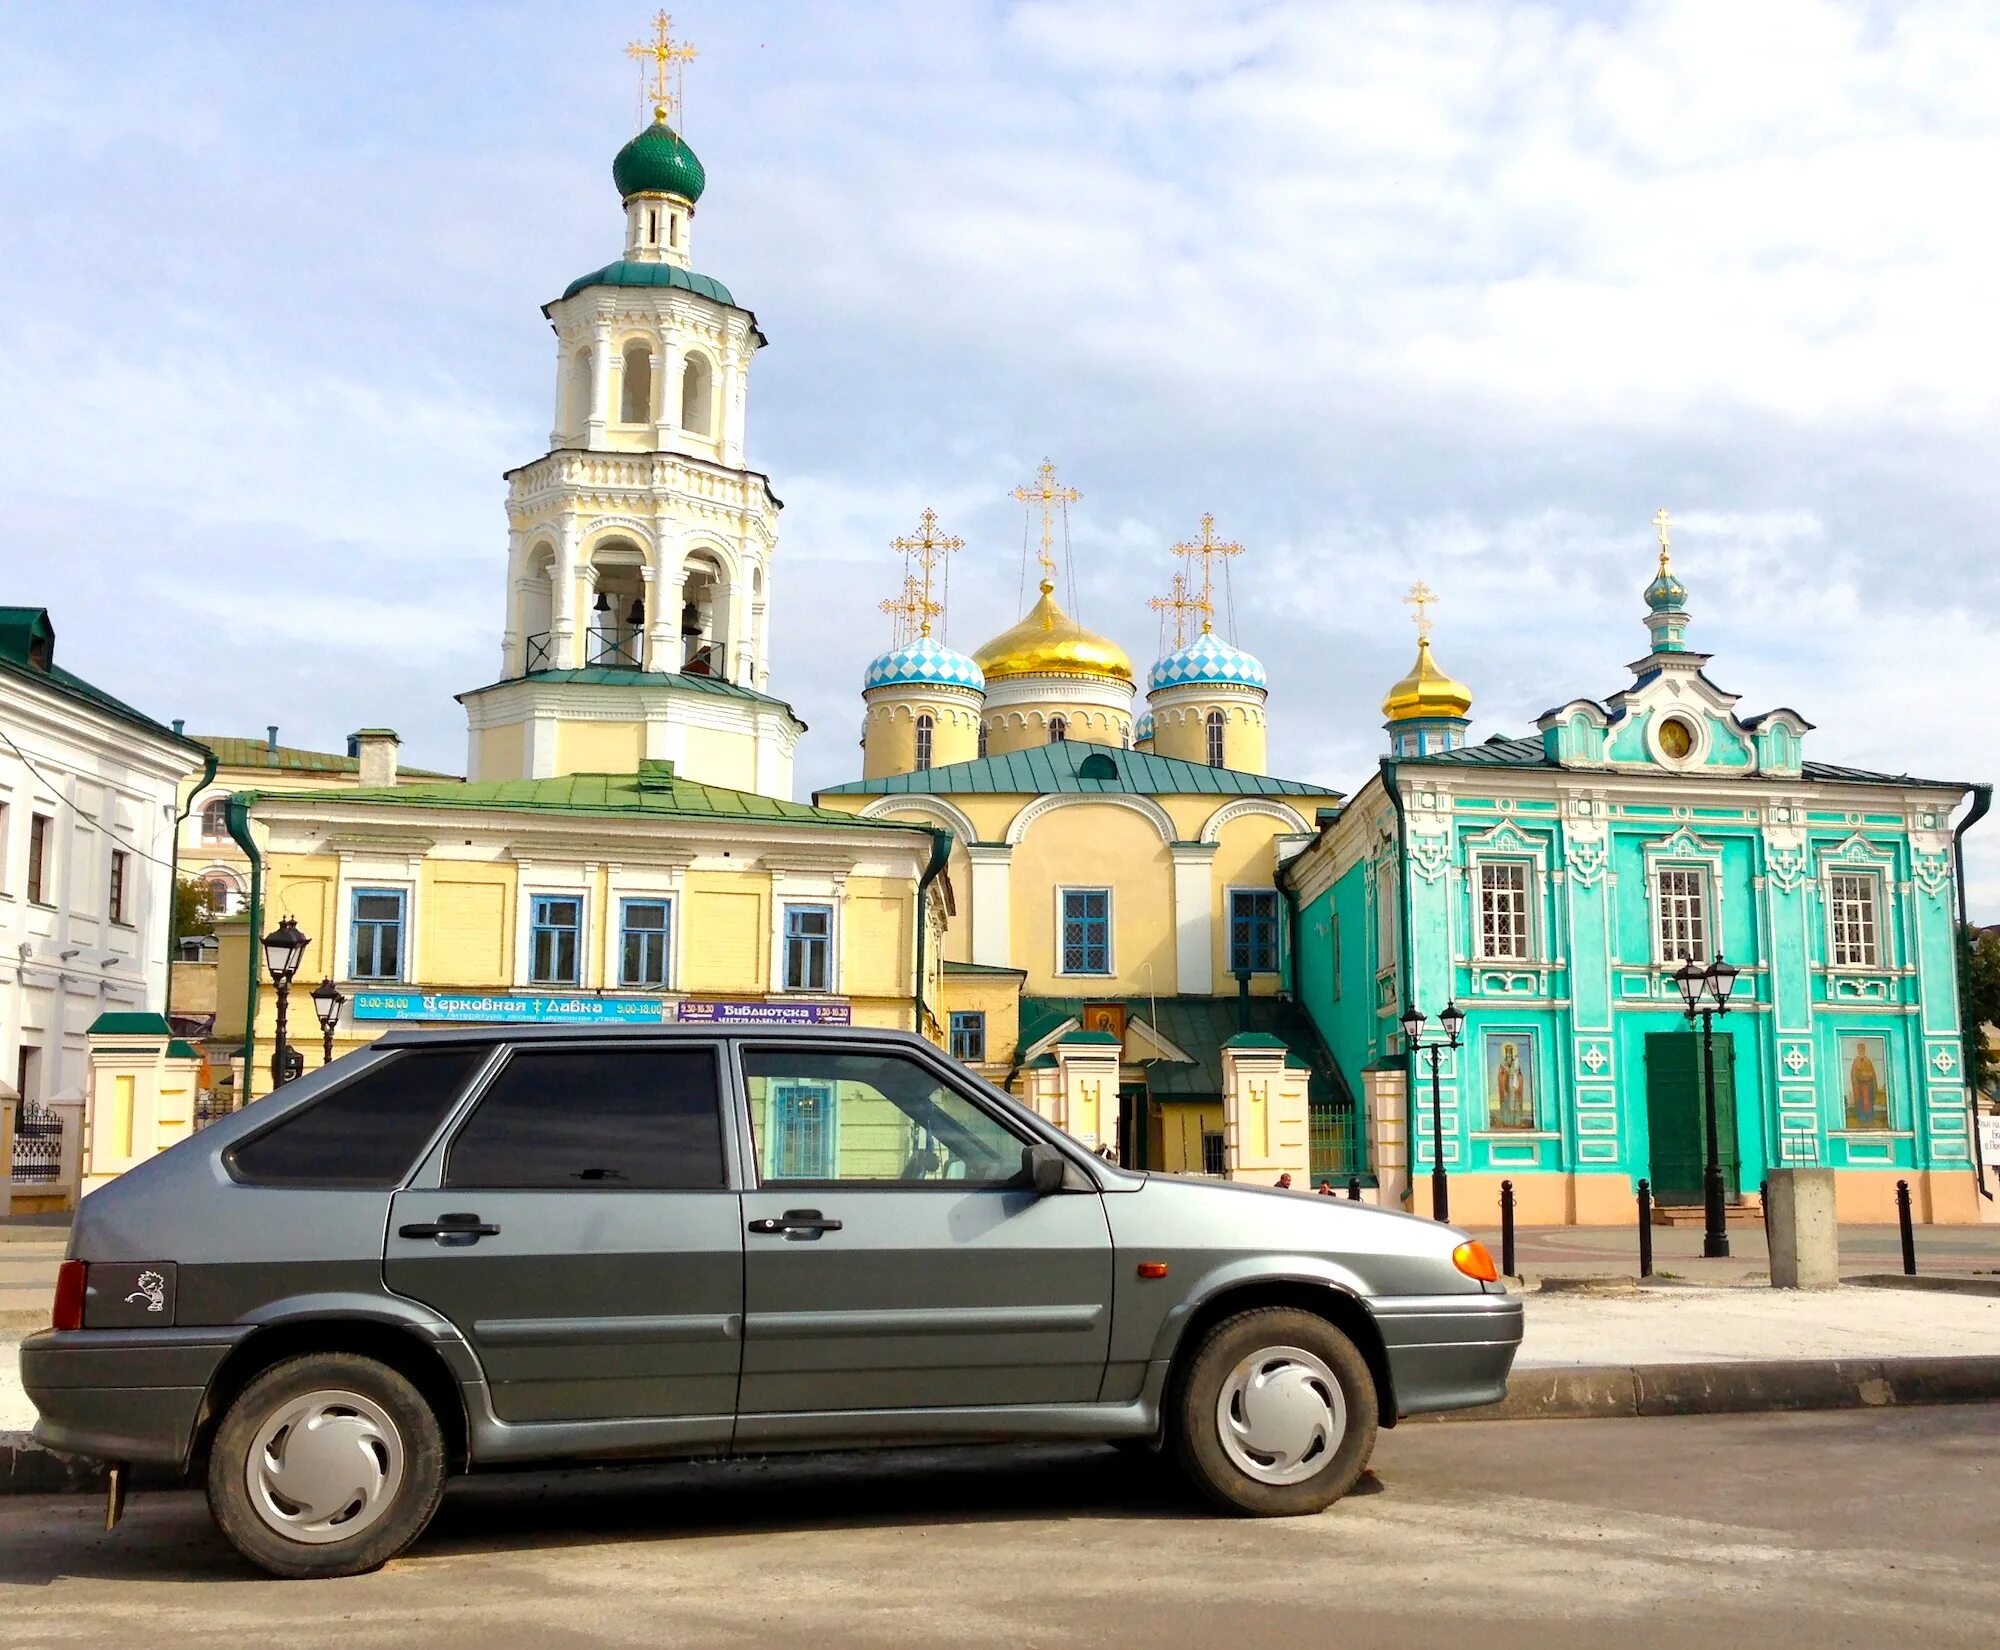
(764, 1014)
(506, 1007)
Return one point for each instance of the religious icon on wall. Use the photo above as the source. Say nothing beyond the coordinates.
(1864, 1076)
(1104, 1017)
(1510, 1081)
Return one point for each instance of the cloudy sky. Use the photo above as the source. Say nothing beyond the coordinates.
(1462, 291)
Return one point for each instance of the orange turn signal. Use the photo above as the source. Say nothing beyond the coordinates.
(1152, 1268)
(1473, 1260)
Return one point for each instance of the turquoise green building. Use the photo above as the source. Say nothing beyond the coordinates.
(1550, 886)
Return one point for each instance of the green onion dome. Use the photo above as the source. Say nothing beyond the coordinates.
(657, 162)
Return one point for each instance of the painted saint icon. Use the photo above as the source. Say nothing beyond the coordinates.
(1510, 1082)
(1864, 1065)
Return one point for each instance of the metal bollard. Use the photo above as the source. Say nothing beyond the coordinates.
(1909, 1231)
(1764, 1208)
(1645, 1228)
(1507, 1228)
(1354, 1189)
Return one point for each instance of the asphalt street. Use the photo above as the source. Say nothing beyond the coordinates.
(1820, 1530)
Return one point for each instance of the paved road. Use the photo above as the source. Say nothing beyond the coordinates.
(1801, 1530)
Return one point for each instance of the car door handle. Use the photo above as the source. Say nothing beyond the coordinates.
(452, 1228)
(794, 1223)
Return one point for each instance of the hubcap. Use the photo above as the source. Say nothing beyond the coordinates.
(1281, 1415)
(325, 1467)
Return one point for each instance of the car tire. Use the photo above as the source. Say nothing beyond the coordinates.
(325, 1465)
(1276, 1415)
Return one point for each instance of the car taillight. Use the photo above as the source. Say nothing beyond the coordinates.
(1474, 1260)
(68, 1312)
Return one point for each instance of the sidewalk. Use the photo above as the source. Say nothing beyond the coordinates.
(1613, 1251)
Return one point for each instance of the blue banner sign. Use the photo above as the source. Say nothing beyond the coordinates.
(507, 1007)
(764, 1014)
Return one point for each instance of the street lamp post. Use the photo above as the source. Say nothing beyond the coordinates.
(284, 950)
(1452, 1020)
(1706, 991)
(327, 1000)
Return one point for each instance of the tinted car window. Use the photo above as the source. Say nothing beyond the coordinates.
(368, 1131)
(639, 1119)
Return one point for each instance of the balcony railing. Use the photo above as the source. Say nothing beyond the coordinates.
(703, 658)
(619, 648)
(612, 647)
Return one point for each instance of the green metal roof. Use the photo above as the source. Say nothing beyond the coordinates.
(984, 968)
(654, 792)
(658, 162)
(1042, 769)
(21, 628)
(1501, 751)
(232, 752)
(127, 1024)
(609, 676)
(180, 1050)
(626, 272)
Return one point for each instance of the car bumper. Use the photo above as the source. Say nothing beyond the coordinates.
(122, 1394)
(1449, 1351)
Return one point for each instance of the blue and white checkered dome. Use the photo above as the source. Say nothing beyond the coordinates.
(1142, 730)
(924, 663)
(1208, 658)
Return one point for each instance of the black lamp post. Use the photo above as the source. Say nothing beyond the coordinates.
(284, 950)
(327, 1000)
(1706, 991)
(1453, 1021)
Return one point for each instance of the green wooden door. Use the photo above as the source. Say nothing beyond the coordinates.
(1674, 1125)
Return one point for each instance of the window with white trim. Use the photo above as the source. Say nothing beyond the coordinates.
(1387, 917)
(808, 947)
(925, 728)
(1851, 920)
(1505, 931)
(1085, 942)
(1216, 728)
(1681, 910)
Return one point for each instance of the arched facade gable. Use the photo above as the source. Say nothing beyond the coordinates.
(610, 527)
(1229, 812)
(1144, 806)
(922, 803)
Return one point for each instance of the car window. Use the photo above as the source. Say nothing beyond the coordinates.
(819, 1115)
(608, 1119)
(365, 1133)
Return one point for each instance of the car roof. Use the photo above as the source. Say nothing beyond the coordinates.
(417, 1037)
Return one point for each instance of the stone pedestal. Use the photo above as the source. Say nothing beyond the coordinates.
(1265, 1128)
(141, 1095)
(1384, 1091)
(1805, 1234)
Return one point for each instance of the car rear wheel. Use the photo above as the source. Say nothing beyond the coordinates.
(1277, 1413)
(325, 1465)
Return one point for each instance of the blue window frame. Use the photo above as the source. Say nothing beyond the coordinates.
(645, 928)
(802, 1133)
(555, 939)
(1086, 931)
(968, 1036)
(377, 936)
(1253, 930)
(809, 948)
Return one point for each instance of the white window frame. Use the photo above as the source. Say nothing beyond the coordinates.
(1877, 914)
(1530, 901)
(1388, 917)
(1110, 970)
(1704, 876)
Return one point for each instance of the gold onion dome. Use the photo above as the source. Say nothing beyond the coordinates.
(1048, 642)
(1426, 692)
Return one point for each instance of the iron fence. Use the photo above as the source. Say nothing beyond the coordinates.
(38, 1146)
(211, 1106)
(1339, 1147)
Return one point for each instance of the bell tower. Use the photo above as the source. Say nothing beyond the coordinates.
(640, 545)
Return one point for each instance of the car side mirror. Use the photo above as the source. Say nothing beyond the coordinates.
(1043, 1169)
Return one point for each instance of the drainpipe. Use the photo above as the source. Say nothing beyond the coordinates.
(1982, 801)
(1407, 964)
(208, 767)
(940, 858)
(237, 813)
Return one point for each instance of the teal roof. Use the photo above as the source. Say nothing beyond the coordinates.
(1075, 765)
(654, 792)
(608, 676)
(951, 967)
(627, 273)
(27, 651)
(233, 751)
(127, 1024)
(1503, 752)
(658, 162)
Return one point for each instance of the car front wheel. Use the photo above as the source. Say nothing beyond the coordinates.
(1277, 1414)
(325, 1465)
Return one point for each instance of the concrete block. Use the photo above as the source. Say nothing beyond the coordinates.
(1804, 1228)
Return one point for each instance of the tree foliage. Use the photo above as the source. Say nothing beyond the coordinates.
(1979, 985)
(194, 910)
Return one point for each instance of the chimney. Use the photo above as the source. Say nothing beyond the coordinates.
(180, 724)
(271, 739)
(376, 748)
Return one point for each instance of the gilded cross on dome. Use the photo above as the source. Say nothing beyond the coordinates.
(1180, 604)
(912, 609)
(665, 54)
(1423, 599)
(1208, 548)
(1660, 521)
(927, 550)
(1051, 497)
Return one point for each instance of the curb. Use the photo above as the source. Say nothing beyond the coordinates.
(1933, 1282)
(1769, 1386)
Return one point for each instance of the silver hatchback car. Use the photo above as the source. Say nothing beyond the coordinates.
(480, 1249)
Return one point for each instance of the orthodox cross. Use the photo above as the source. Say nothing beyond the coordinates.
(664, 53)
(928, 550)
(910, 608)
(1208, 550)
(1178, 602)
(1423, 600)
(1051, 498)
(1660, 521)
